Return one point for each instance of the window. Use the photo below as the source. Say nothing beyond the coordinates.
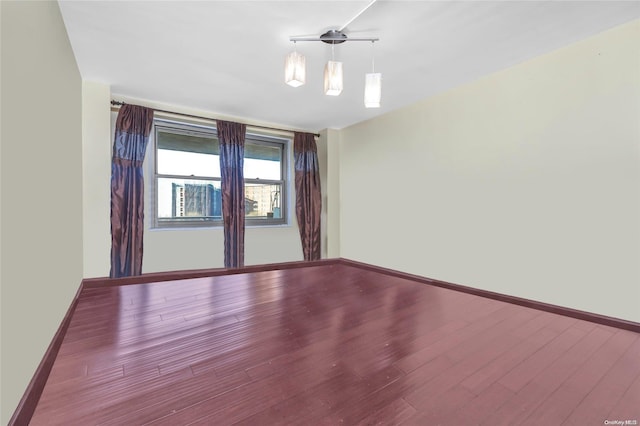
(187, 177)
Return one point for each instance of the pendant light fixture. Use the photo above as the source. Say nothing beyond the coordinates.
(294, 69)
(372, 85)
(333, 76)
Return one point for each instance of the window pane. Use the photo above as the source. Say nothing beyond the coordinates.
(188, 140)
(262, 151)
(261, 169)
(262, 161)
(188, 163)
(189, 199)
(187, 152)
(263, 200)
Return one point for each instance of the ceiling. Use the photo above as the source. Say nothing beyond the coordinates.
(227, 57)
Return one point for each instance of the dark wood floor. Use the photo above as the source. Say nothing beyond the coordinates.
(332, 345)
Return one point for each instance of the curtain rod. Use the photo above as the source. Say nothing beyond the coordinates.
(120, 103)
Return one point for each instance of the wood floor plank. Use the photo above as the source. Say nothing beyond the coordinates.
(399, 388)
(353, 405)
(561, 402)
(536, 364)
(328, 345)
(453, 376)
(150, 404)
(295, 410)
(628, 407)
(479, 408)
(394, 413)
(416, 359)
(257, 396)
(534, 392)
(486, 376)
(599, 402)
(439, 407)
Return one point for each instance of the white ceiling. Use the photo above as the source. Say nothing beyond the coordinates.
(227, 57)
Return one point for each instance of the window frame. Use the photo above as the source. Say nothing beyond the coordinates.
(188, 128)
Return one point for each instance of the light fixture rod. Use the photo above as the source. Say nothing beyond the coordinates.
(355, 17)
(373, 58)
(328, 39)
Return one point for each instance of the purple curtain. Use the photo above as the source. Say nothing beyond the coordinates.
(127, 189)
(231, 136)
(308, 196)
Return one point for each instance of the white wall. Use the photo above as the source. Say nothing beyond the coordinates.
(329, 160)
(41, 187)
(96, 179)
(525, 182)
(179, 249)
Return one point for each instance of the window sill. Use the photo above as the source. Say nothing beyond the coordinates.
(209, 228)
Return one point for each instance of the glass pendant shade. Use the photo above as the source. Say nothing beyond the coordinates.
(294, 69)
(372, 90)
(333, 78)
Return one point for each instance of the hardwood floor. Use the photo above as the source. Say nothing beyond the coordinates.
(329, 345)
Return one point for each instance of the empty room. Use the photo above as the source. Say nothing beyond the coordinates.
(320, 212)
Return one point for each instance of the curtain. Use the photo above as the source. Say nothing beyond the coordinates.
(308, 196)
(231, 136)
(133, 126)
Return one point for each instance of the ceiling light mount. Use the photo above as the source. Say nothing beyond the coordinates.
(338, 36)
(333, 37)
